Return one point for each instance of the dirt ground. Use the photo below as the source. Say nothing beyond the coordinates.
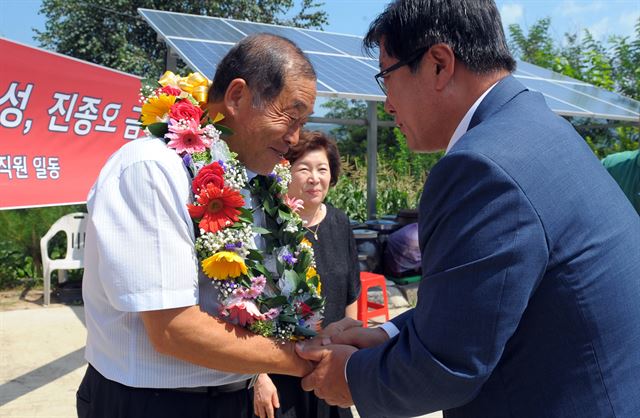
(33, 298)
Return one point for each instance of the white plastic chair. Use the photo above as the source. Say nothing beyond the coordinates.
(74, 226)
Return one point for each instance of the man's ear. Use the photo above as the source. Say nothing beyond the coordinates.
(236, 95)
(443, 59)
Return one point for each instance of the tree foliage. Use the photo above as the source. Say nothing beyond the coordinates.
(113, 34)
(613, 65)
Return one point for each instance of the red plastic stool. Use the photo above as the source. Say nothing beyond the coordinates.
(368, 280)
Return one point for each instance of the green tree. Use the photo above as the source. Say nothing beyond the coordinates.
(626, 63)
(536, 47)
(613, 66)
(113, 34)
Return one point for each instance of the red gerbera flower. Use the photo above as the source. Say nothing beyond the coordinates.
(304, 309)
(218, 207)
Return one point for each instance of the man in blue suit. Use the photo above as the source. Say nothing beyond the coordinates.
(529, 305)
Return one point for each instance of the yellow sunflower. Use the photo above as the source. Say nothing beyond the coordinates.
(223, 265)
(156, 109)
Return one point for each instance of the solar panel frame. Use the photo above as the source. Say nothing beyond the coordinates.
(334, 55)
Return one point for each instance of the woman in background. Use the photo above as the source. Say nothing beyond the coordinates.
(315, 166)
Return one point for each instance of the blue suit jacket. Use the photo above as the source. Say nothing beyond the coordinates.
(529, 304)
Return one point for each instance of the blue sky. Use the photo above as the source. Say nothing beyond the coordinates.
(602, 17)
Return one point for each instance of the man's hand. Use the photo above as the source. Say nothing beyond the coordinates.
(340, 326)
(348, 331)
(328, 379)
(359, 337)
(265, 397)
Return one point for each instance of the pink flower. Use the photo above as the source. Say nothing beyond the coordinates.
(294, 204)
(242, 310)
(245, 312)
(272, 313)
(257, 286)
(187, 136)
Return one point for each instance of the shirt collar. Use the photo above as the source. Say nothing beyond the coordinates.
(250, 174)
(464, 123)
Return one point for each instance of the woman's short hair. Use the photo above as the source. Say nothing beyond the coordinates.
(315, 140)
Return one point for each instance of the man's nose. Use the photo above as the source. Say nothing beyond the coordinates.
(388, 107)
(292, 136)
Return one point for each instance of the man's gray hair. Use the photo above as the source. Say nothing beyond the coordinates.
(264, 61)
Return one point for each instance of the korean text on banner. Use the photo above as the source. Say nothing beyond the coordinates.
(60, 119)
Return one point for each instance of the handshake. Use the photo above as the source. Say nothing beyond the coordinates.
(327, 355)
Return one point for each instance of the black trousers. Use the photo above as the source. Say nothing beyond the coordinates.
(99, 397)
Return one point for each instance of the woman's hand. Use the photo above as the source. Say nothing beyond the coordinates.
(265, 397)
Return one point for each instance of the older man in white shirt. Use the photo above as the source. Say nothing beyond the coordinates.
(154, 346)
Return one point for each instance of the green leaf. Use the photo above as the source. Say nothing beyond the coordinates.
(223, 129)
(315, 303)
(279, 267)
(275, 301)
(260, 230)
(288, 318)
(260, 269)
(284, 215)
(246, 215)
(255, 255)
(294, 277)
(304, 260)
(158, 129)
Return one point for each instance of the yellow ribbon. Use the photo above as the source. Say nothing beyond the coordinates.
(195, 84)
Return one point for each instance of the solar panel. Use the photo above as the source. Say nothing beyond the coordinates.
(345, 71)
(345, 75)
(526, 70)
(565, 108)
(346, 44)
(201, 55)
(304, 41)
(191, 26)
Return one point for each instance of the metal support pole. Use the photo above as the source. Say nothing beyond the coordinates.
(171, 60)
(372, 158)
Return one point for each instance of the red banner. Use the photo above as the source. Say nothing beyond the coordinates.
(60, 119)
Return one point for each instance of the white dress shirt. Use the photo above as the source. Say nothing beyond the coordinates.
(139, 257)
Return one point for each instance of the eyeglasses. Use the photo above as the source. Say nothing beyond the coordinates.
(382, 74)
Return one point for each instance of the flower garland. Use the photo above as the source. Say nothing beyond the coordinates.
(275, 293)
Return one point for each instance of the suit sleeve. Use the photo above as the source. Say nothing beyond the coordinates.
(484, 252)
